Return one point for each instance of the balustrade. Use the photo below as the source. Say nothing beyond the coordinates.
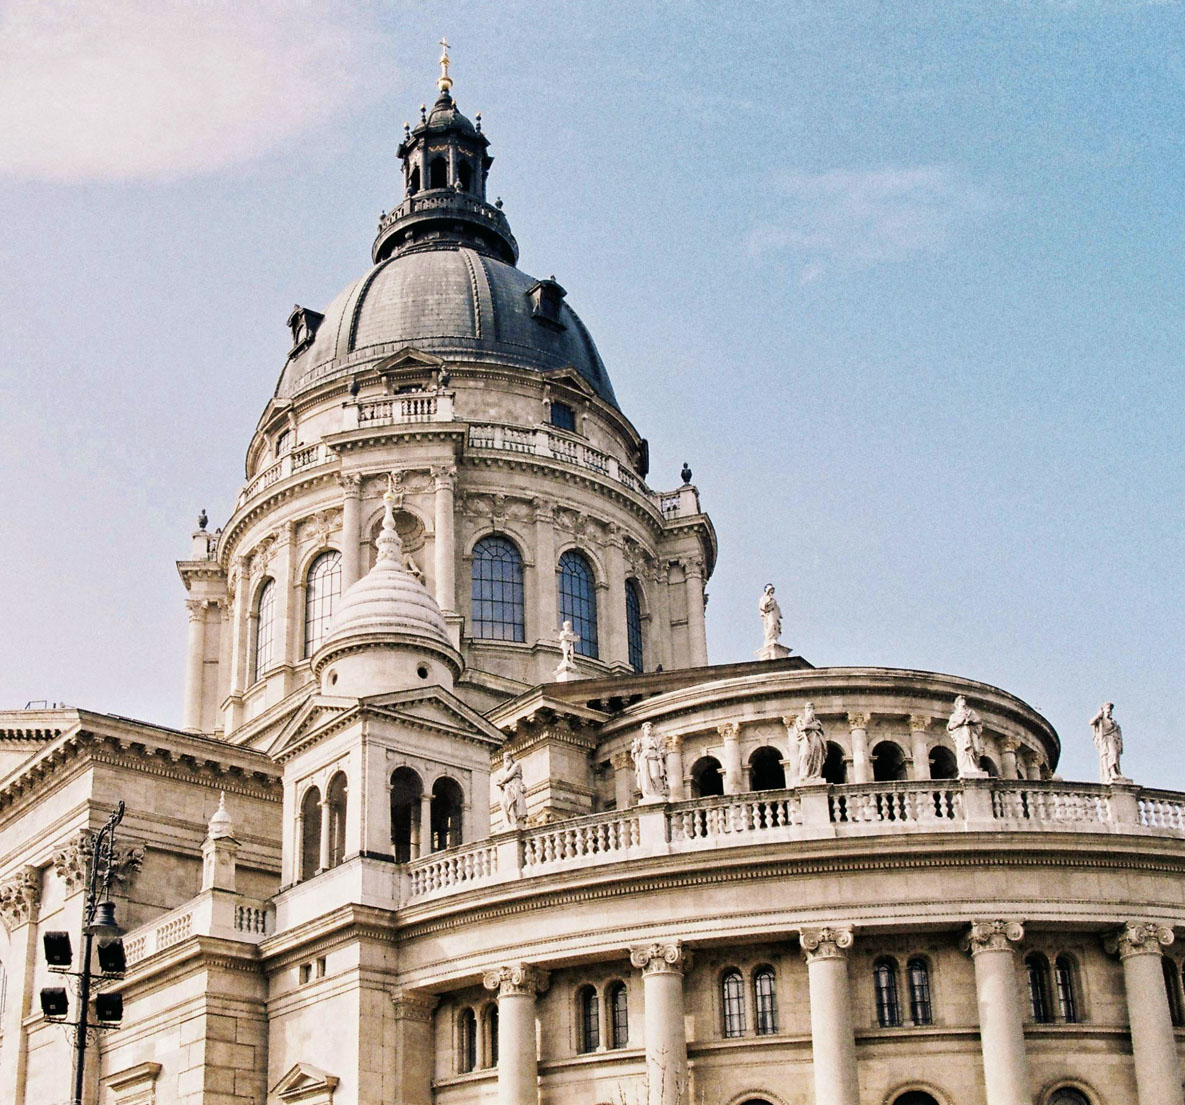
(900, 802)
(1051, 803)
(1162, 810)
(580, 839)
(709, 819)
(455, 867)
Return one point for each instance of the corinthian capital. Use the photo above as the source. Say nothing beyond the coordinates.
(661, 958)
(351, 484)
(830, 942)
(730, 730)
(20, 898)
(1139, 938)
(919, 723)
(517, 978)
(444, 477)
(994, 936)
(856, 721)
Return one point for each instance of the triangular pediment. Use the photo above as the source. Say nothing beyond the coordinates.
(307, 1085)
(569, 377)
(408, 357)
(319, 712)
(434, 708)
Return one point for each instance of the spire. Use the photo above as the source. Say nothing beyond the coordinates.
(388, 544)
(445, 82)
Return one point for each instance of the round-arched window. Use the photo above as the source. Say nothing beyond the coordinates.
(633, 625)
(265, 624)
(322, 589)
(498, 611)
(1067, 1095)
(578, 600)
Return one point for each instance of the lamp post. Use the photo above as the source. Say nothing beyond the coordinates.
(98, 920)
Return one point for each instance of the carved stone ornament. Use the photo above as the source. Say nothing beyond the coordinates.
(858, 721)
(730, 730)
(1139, 938)
(622, 760)
(351, 484)
(831, 942)
(71, 863)
(994, 936)
(20, 898)
(919, 723)
(661, 958)
(517, 978)
(412, 1005)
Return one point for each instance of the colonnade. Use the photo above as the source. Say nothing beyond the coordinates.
(992, 945)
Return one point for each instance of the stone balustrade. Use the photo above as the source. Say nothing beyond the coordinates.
(297, 460)
(211, 913)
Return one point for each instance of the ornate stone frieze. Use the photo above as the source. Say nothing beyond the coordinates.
(20, 897)
(1139, 938)
(661, 957)
(414, 1005)
(517, 978)
(829, 942)
(993, 936)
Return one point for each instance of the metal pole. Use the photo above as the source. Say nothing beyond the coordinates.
(84, 998)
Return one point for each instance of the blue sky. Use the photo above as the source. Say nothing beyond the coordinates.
(901, 282)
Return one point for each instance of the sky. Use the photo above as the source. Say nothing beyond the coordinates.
(900, 282)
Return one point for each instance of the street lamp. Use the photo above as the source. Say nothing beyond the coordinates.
(98, 922)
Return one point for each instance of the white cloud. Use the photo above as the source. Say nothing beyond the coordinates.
(847, 219)
(158, 88)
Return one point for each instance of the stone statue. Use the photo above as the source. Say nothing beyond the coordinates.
(568, 641)
(412, 568)
(649, 765)
(965, 727)
(1108, 739)
(771, 616)
(513, 791)
(812, 745)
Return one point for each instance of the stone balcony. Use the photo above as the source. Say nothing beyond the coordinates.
(219, 913)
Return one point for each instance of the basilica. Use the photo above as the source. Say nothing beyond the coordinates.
(460, 814)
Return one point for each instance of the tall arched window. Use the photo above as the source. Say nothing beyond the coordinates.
(265, 619)
(1067, 999)
(310, 833)
(618, 1004)
(448, 803)
(765, 1001)
(888, 1005)
(466, 1041)
(1172, 986)
(498, 612)
(413, 182)
(920, 1009)
(1037, 973)
(438, 173)
(336, 795)
(765, 769)
(732, 995)
(633, 625)
(489, 1021)
(578, 600)
(588, 1015)
(322, 589)
(943, 764)
(406, 791)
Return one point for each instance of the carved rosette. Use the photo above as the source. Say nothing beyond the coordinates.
(413, 1005)
(658, 958)
(994, 936)
(831, 942)
(1140, 938)
(858, 721)
(515, 979)
(20, 898)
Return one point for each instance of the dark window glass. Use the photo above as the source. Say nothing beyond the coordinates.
(265, 615)
(590, 1021)
(467, 1031)
(491, 1020)
(919, 992)
(438, 176)
(498, 612)
(578, 600)
(633, 624)
(767, 1001)
(1063, 976)
(283, 442)
(322, 589)
(619, 1015)
(310, 833)
(888, 1006)
(1037, 971)
(1172, 985)
(563, 417)
(336, 795)
(732, 989)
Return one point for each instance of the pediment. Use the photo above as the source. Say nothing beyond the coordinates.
(307, 1085)
(408, 357)
(569, 377)
(318, 712)
(434, 708)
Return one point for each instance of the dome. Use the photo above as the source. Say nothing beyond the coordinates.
(450, 301)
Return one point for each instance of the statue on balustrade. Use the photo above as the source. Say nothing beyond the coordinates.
(1108, 739)
(771, 616)
(569, 639)
(966, 728)
(513, 792)
(812, 745)
(650, 765)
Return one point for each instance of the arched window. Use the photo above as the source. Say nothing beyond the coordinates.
(413, 182)
(466, 1041)
(765, 1001)
(1067, 1095)
(943, 764)
(618, 1004)
(986, 763)
(578, 600)
(915, 1097)
(888, 762)
(464, 175)
(765, 770)
(322, 589)
(588, 1016)
(920, 1009)
(633, 625)
(498, 613)
(1063, 978)
(265, 618)
(310, 833)
(336, 794)
(732, 994)
(406, 790)
(835, 768)
(1037, 973)
(888, 1006)
(706, 779)
(1172, 986)
(448, 802)
(438, 173)
(489, 1021)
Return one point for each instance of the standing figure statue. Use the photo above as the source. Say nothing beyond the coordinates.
(568, 640)
(965, 727)
(649, 765)
(771, 616)
(513, 791)
(812, 745)
(1108, 739)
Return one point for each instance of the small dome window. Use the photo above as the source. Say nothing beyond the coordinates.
(547, 300)
(563, 417)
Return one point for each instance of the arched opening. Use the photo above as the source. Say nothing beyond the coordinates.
(766, 771)
(264, 632)
(732, 999)
(489, 1024)
(986, 763)
(916, 1097)
(465, 175)
(1067, 1095)
(943, 764)
(1172, 986)
(310, 833)
(413, 181)
(466, 1041)
(406, 793)
(1064, 973)
(835, 765)
(322, 589)
(619, 1014)
(336, 794)
(706, 777)
(920, 1008)
(588, 1019)
(498, 608)
(578, 600)
(633, 625)
(888, 762)
(438, 173)
(765, 1001)
(1037, 974)
(448, 803)
(888, 1004)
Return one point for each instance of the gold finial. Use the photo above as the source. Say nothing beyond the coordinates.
(445, 82)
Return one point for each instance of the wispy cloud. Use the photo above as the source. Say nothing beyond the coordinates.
(848, 219)
(159, 88)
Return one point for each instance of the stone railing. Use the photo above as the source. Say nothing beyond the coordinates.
(454, 869)
(710, 820)
(444, 199)
(414, 407)
(212, 913)
(296, 460)
(896, 803)
(1053, 806)
(602, 837)
(1162, 809)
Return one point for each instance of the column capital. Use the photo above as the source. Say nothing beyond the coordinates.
(730, 730)
(621, 760)
(1139, 938)
(20, 898)
(196, 608)
(1010, 744)
(444, 477)
(517, 979)
(829, 942)
(414, 1005)
(919, 722)
(693, 567)
(351, 484)
(661, 957)
(674, 742)
(855, 721)
(993, 936)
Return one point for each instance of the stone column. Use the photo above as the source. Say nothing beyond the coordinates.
(697, 633)
(861, 765)
(289, 639)
(425, 824)
(444, 481)
(547, 610)
(662, 966)
(323, 856)
(731, 755)
(616, 644)
(1154, 1045)
(1001, 1031)
(674, 746)
(918, 726)
(195, 662)
(413, 1051)
(833, 1039)
(236, 626)
(623, 779)
(351, 484)
(1009, 747)
(20, 901)
(518, 1058)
